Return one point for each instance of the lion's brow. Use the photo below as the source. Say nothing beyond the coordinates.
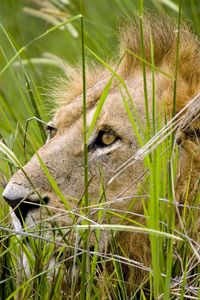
(73, 110)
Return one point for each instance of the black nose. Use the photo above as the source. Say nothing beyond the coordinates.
(18, 198)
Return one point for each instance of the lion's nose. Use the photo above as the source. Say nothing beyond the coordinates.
(21, 200)
(14, 194)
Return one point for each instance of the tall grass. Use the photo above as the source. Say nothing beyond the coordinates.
(174, 271)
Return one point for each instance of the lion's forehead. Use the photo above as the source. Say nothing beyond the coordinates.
(68, 115)
(113, 104)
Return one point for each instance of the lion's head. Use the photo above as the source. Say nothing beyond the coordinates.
(31, 192)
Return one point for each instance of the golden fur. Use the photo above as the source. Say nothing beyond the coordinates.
(164, 36)
(63, 154)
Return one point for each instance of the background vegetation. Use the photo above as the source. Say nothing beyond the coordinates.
(25, 80)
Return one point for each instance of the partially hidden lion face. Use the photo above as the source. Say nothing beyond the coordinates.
(112, 142)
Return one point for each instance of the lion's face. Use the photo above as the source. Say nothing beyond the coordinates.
(111, 143)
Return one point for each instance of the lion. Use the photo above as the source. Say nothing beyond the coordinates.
(34, 198)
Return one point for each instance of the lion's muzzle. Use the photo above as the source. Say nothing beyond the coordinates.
(21, 200)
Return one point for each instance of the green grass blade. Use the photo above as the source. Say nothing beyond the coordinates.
(99, 107)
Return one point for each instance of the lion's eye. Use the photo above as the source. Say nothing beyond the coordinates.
(51, 131)
(105, 138)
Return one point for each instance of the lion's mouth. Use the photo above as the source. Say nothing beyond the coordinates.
(22, 209)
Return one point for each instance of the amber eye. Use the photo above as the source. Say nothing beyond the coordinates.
(105, 138)
(108, 138)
